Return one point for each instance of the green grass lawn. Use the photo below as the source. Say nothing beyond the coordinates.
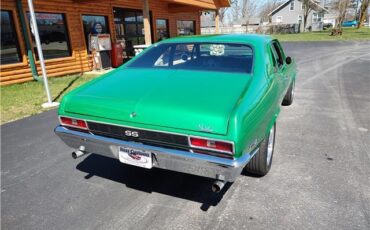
(22, 100)
(348, 34)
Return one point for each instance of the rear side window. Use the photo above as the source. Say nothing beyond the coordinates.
(221, 57)
(278, 53)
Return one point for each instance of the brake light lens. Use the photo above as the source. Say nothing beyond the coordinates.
(220, 146)
(72, 122)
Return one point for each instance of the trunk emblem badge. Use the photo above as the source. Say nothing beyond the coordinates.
(205, 128)
(133, 114)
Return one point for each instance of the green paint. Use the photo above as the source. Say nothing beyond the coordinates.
(236, 107)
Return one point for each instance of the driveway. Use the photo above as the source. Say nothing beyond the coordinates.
(320, 178)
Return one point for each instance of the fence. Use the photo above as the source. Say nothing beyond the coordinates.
(262, 29)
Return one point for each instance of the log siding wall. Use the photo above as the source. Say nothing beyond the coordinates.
(80, 61)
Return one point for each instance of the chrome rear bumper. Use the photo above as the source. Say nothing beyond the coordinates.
(164, 158)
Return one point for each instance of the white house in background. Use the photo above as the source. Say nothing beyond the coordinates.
(330, 18)
(291, 12)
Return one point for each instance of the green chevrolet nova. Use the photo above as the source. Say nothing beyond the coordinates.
(203, 105)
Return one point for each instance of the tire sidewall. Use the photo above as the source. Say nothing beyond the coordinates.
(268, 165)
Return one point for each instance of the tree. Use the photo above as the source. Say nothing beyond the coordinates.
(363, 10)
(267, 8)
(341, 7)
(235, 10)
(248, 9)
(222, 14)
(308, 6)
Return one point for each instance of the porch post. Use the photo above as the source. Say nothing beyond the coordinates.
(217, 22)
(146, 18)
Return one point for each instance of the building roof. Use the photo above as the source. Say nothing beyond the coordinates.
(277, 9)
(254, 39)
(205, 4)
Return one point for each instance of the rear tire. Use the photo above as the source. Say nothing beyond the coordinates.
(260, 164)
(289, 96)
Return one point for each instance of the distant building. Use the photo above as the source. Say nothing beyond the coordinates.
(291, 12)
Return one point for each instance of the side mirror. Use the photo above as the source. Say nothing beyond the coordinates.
(288, 60)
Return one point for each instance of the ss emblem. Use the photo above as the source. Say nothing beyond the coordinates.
(131, 133)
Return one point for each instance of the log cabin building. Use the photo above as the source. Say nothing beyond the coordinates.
(64, 27)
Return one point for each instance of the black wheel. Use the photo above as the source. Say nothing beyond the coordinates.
(289, 96)
(260, 164)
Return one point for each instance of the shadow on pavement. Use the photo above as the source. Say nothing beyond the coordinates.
(170, 183)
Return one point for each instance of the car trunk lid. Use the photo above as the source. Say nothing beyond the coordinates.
(189, 100)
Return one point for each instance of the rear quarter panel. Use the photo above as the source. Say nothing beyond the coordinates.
(260, 106)
(257, 108)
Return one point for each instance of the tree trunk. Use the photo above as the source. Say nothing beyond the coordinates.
(342, 8)
(364, 6)
(305, 22)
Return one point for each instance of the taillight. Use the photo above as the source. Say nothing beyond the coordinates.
(72, 122)
(219, 146)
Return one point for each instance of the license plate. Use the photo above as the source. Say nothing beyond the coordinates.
(135, 157)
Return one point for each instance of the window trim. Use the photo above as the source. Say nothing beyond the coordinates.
(186, 20)
(167, 25)
(69, 43)
(12, 16)
(290, 5)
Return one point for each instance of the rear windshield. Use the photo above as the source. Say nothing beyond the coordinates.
(222, 57)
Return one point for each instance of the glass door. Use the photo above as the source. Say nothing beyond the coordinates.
(129, 26)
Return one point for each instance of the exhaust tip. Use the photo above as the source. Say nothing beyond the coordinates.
(77, 154)
(217, 186)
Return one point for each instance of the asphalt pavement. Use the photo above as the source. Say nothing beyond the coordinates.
(320, 177)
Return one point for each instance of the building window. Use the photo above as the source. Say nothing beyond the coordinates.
(292, 3)
(300, 19)
(53, 35)
(94, 24)
(279, 19)
(314, 17)
(320, 17)
(129, 26)
(185, 28)
(10, 52)
(162, 29)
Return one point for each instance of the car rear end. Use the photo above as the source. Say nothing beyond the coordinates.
(212, 158)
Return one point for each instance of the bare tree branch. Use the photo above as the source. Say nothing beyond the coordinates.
(267, 8)
(341, 7)
(248, 10)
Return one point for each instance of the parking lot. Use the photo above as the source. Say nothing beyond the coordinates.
(320, 177)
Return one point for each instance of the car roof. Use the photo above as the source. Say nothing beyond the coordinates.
(252, 39)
